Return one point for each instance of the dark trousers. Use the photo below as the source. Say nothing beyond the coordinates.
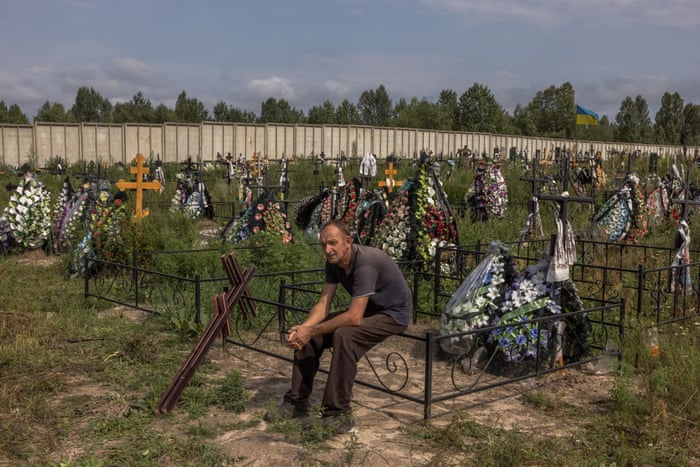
(349, 344)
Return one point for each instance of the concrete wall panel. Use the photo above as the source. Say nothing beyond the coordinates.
(174, 142)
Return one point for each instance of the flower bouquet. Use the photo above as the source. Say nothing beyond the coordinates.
(105, 216)
(371, 209)
(395, 233)
(347, 203)
(70, 218)
(264, 216)
(436, 226)
(623, 216)
(496, 295)
(489, 195)
(26, 220)
(420, 218)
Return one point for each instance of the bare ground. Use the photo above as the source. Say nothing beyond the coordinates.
(380, 436)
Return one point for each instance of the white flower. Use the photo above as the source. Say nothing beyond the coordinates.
(493, 293)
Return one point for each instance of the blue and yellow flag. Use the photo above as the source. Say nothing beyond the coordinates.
(585, 116)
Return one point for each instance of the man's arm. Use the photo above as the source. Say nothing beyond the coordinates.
(314, 325)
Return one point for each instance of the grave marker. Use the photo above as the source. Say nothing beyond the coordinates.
(687, 201)
(390, 183)
(218, 326)
(139, 185)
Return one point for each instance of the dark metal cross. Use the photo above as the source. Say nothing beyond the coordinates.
(533, 180)
(688, 201)
(564, 199)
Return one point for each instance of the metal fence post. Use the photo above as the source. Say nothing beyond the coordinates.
(428, 380)
(198, 299)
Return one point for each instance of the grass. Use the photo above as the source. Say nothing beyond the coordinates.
(79, 379)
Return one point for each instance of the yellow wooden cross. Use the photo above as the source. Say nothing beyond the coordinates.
(139, 185)
(254, 161)
(390, 183)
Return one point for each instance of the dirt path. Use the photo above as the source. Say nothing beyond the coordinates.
(381, 420)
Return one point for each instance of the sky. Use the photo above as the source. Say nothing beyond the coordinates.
(311, 51)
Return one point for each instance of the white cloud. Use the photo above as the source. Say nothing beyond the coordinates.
(337, 88)
(674, 13)
(273, 87)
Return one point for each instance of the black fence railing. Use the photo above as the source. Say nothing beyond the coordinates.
(284, 297)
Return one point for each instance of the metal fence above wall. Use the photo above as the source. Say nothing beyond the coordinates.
(209, 141)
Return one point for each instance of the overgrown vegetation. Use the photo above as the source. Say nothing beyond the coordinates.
(74, 369)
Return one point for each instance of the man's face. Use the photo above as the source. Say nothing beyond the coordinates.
(336, 246)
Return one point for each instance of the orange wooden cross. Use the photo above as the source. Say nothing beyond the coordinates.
(139, 185)
(390, 183)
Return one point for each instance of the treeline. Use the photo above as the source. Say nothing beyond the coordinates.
(550, 114)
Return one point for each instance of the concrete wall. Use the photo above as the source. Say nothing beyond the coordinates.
(175, 142)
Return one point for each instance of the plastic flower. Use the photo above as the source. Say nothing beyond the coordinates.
(500, 296)
(27, 217)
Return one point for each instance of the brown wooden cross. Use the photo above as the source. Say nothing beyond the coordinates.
(139, 185)
(390, 183)
(219, 325)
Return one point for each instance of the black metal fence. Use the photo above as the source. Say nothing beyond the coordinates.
(410, 366)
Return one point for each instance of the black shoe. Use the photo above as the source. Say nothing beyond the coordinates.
(287, 410)
(332, 425)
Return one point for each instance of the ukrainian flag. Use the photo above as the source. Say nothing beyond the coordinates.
(585, 116)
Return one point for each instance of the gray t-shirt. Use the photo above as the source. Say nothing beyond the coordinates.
(374, 274)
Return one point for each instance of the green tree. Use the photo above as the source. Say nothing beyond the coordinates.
(53, 113)
(163, 114)
(522, 122)
(603, 131)
(346, 113)
(137, 110)
(416, 114)
(325, 113)
(690, 134)
(190, 110)
(375, 107)
(633, 122)
(12, 114)
(669, 119)
(279, 111)
(225, 113)
(90, 106)
(479, 111)
(552, 112)
(448, 110)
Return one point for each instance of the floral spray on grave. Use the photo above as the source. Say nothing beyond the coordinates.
(104, 217)
(69, 215)
(623, 216)
(25, 222)
(263, 217)
(420, 218)
(497, 296)
(488, 196)
(191, 195)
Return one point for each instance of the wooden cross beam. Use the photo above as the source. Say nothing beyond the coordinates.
(390, 183)
(222, 304)
(235, 277)
(139, 185)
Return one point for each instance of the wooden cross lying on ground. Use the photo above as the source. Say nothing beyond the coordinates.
(219, 325)
(390, 183)
(139, 185)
